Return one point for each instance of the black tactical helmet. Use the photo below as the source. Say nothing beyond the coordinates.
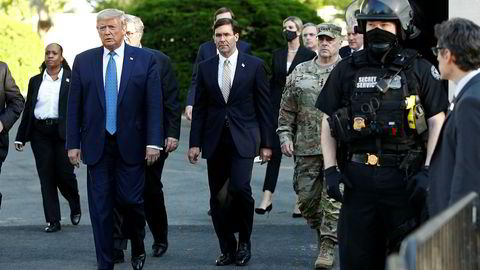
(399, 11)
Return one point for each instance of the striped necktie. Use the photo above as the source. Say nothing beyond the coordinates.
(227, 80)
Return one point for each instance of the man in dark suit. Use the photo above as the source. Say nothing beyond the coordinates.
(232, 121)
(11, 106)
(155, 211)
(208, 50)
(115, 116)
(454, 167)
(355, 42)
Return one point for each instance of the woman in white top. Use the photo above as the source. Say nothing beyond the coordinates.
(44, 125)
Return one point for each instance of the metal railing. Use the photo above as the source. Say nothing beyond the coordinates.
(449, 241)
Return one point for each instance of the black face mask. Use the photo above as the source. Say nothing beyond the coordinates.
(380, 41)
(289, 35)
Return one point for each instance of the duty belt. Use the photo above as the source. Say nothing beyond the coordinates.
(389, 160)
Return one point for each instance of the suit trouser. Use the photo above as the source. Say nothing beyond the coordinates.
(54, 170)
(112, 182)
(155, 212)
(234, 209)
(372, 211)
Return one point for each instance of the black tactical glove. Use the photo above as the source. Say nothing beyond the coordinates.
(418, 186)
(333, 178)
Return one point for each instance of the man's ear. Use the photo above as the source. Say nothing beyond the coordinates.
(237, 37)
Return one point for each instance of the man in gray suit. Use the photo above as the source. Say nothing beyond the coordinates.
(11, 105)
(455, 164)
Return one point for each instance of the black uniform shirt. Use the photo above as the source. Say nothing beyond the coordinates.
(337, 90)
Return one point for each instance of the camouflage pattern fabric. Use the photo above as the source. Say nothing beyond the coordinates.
(319, 211)
(299, 120)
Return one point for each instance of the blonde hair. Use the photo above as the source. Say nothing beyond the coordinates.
(296, 20)
(111, 13)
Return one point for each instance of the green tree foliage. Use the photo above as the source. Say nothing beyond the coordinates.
(179, 27)
(339, 4)
(21, 49)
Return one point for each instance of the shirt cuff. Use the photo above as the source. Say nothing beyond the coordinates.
(155, 147)
(17, 142)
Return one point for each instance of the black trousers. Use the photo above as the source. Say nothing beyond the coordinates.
(113, 183)
(231, 210)
(273, 166)
(54, 170)
(155, 212)
(373, 211)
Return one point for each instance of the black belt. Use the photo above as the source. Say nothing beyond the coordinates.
(47, 122)
(389, 160)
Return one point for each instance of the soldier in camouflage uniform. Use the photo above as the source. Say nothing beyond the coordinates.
(299, 127)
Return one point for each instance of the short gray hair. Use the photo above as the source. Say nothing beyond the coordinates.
(310, 24)
(137, 22)
(111, 13)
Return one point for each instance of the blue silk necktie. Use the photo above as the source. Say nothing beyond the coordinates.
(111, 95)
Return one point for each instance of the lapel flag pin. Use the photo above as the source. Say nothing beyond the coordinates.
(131, 58)
(243, 65)
(67, 80)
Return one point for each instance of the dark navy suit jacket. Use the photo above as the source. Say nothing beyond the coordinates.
(455, 165)
(139, 106)
(171, 105)
(248, 110)
(208, 50)
(26, 125)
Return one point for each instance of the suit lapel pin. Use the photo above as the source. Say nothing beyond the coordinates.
(67, 80)
(131, 58)
(243, 65)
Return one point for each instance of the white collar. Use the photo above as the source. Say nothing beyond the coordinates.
(233, 58)
(119, 51)
(60, 75)
(463, 81)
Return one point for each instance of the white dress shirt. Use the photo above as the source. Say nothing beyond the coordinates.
(120, 52)
(461, 84)
(233, 66)
(46, 106)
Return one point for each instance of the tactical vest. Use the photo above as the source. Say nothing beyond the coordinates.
(377, 105)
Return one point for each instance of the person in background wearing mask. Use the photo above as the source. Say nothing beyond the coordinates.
(299, 127)
(44, 125)
(284, 61)
(309, 37)
(385, 165)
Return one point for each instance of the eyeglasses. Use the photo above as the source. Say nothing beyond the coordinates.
(436, 49)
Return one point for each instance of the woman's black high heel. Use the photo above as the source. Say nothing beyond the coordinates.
(262, 211)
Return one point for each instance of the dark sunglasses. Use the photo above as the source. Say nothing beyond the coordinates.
(436, 49)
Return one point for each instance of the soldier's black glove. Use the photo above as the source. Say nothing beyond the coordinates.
(333, 177)
(418, 186)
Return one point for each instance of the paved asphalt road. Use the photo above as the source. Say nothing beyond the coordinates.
(278, 240)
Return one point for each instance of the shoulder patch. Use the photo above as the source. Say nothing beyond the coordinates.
(435, 73)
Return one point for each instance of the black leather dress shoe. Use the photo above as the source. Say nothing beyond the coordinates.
(225, 259)
(159, 249)
(138, 262)
(118, 256)
(53, 227)
(75, 218)
(243, 254)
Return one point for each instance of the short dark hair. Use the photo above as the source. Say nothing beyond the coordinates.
(65, 65)
(227, 21)
(462, 38)
(223, 10)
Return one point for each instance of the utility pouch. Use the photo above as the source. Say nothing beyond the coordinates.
(340, 125)
(420, 121)
(413, 161)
